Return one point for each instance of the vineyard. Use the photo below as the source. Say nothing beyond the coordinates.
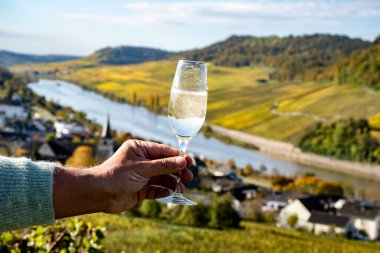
(239, 98)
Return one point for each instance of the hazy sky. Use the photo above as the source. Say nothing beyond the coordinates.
(81, 27)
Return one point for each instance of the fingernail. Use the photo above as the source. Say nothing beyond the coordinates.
(180, 162)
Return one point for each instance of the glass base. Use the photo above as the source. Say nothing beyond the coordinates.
(177, 199)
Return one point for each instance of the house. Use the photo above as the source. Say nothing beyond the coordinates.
(323, 223)
(14, 112)
(224, 180)
(10, 136)
(241, 196)
(304, 206)
(69, 129)
(105, 145)
(365, 216)
(275, 201)
(56, 150)
(244, 192)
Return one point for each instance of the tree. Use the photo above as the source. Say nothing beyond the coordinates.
(197, 216)
(82, 157)
(247, 170)
(344, 139)
(328, 188)
(134, 98)
(50, 137)
(4, 74)
(150, 209)
(21, 152)
(222, 214)
(4, 151)
(263, 168)
(292, 220)
(316, 186)
(280, 183)
(231, 164)
(377, 40)
(157, 102)
(76, 139)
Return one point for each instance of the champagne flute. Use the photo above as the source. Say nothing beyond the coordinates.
(187, 112)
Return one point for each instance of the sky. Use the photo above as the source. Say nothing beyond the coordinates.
(79, 27)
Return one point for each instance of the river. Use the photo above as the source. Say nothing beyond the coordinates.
(141, 122)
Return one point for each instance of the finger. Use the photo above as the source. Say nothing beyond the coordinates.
(156, 151)
(181, 187)
(167, 181)
(157, 192)
(162, 194)
(186, 176)
(169, 165)
(189, 161)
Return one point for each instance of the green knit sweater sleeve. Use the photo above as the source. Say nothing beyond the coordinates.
(26, 189)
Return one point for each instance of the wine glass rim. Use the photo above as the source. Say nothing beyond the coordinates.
(192, 61)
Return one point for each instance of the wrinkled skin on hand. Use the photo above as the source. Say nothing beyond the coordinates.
(141, 170)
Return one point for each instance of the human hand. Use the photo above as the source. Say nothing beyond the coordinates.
(138, 170)
(142, 170)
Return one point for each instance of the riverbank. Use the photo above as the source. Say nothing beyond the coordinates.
(236, 99)
(279, 149)
(141, 122)
(294, 154)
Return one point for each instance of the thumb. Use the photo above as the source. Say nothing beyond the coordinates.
(164, 166)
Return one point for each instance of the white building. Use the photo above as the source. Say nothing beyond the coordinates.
(275, 201)
(323, 223)
(224, 179)
(365, 216)
(303, 208)
(68, 129)
(325, 215)
(14, 111)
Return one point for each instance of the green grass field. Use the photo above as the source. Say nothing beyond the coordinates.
(236, 99)
(144, 235)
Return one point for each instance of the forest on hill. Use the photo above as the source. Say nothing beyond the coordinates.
(127, 55)
(362, 67)
(292, 58)
(318, 57)
(8, 58)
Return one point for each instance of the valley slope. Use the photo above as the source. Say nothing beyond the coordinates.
(239, 98)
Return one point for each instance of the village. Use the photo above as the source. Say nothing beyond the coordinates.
(24, 131)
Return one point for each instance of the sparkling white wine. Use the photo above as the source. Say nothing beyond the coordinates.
(187, 111)
(186, 127)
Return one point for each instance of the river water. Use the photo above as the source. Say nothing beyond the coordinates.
(141, 122)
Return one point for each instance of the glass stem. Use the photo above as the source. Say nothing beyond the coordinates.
(182, 151)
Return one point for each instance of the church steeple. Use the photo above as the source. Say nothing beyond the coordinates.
(106, 132)
(105, 145)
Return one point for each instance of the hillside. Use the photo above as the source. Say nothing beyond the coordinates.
(8, 58)
(127, 55)
(307, 57)
(238, 97)
(293, 57)
(362, 67)
(247, 98)
(147, 235)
